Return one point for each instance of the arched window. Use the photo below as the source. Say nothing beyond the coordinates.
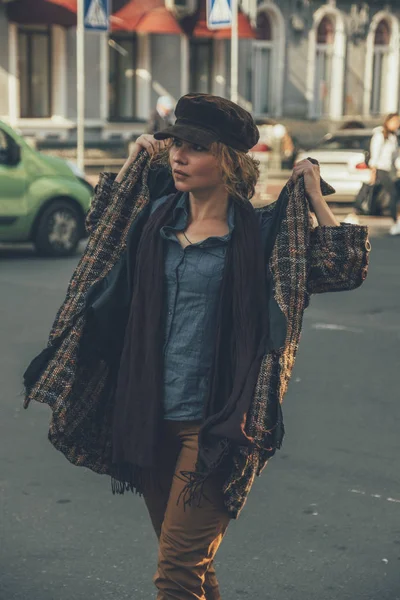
(380, 67)
(326, 31)
(382, 34)
(323, 66)
(326, 63)
(264, 27)
(262, 65)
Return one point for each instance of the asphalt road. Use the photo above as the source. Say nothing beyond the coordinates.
(321, 523)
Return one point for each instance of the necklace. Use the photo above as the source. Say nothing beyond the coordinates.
(187, 238)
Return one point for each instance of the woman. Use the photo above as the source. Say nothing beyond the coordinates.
(169, 359)
(384, 152)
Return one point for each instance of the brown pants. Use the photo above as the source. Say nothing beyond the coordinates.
(189, 537)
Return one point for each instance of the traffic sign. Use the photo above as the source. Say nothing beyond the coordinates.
(96, 15)
(219, 14)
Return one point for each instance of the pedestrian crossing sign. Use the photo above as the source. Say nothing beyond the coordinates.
(97, 15)
(219, 14)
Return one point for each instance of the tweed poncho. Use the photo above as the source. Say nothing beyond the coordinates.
(78, 386)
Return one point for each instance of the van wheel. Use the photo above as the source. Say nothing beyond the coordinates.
(59, 229)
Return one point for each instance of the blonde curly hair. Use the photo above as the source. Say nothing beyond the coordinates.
(240, 171)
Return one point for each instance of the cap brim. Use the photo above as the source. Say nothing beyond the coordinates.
(187, 133)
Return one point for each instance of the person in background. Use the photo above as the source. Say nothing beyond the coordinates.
(275, 136)
(288, 150)
(383, 162)
(163, 116)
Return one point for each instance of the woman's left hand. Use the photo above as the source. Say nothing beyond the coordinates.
(312, 184)
(312, 180)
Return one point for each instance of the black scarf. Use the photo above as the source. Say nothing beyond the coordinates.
(240, 341)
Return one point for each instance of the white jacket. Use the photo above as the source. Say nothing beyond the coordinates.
(384, 153)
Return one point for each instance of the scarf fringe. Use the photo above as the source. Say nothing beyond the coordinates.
(193, 491)
(132, 478)
(120, 487)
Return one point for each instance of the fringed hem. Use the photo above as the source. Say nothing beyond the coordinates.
(272, 439)
(120, 487)
(132, 478)
(193, 491)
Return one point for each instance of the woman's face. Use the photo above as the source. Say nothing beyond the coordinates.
(394, 123)
(194, 168)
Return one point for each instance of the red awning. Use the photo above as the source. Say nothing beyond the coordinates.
(159, 20)
(71, 5)
(51, 12)
(45, 12)
(201, 29)
(128, 17)
(146, 17)
(245, 30)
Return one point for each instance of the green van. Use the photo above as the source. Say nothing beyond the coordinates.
(43, 199)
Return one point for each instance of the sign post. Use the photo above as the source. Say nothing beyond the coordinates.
(92, 15)
(222, 14)
(80, 86)
(234, 52)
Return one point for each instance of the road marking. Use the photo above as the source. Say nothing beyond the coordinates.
(379, 496)
(334, 327)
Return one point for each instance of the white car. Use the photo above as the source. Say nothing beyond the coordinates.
(342, 157)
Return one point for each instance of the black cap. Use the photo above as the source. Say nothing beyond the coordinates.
(203, 119)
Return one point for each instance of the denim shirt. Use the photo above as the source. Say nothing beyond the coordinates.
(193, 277)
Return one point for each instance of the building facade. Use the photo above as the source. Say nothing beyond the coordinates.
(309, 61)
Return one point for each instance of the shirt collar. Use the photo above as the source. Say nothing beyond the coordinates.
(181, 214)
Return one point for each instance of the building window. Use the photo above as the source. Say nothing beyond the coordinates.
(200, 65)
(262, 65)
(122, 77)
(323, 66)
(380, 67)
(35, 68)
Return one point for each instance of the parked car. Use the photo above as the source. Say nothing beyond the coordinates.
(43, 199)
(343, 158)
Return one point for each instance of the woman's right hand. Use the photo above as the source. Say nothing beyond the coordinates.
(146, 142)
